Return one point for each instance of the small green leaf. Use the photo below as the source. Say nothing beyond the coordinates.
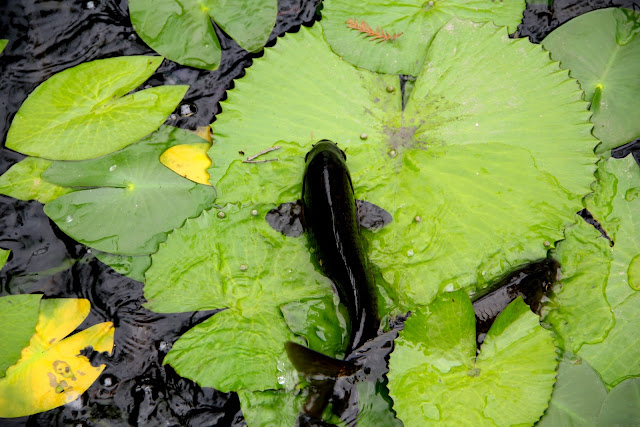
(3, 44)
(417, 20)
(4, 256)
(233, 259)
(131, 200)
(18, 318)
(577, 395)
(270, 408)
(622, 405)
(23, 181)
(84, 112)
(435, 377)
(130, 266)
(601, 49)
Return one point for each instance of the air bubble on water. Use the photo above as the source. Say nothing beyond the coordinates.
(69, 218)
(112, 168)
(90, 5)
(163, 346)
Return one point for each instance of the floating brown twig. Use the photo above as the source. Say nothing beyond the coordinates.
(268, 150)
(378, 34)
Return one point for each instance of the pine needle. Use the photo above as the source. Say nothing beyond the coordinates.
(378, 34)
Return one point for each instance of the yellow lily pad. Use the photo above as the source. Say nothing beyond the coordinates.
(189, 160)
(51, 371)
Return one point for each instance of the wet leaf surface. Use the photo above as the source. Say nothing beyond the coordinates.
(85, 112)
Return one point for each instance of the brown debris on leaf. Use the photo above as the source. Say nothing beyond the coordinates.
(378, 34)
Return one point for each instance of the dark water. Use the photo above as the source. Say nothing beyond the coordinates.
(46, 37)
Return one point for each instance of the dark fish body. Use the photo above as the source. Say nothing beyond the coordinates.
(331, 225)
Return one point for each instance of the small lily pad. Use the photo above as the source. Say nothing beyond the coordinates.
(18, 318)
(165, 24)
(435, 377)
(602, 50)
(51, 370)
(85, 111)
(416, 20)
(129, 200)
(23, 181)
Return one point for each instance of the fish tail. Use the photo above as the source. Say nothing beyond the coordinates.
(313, 364)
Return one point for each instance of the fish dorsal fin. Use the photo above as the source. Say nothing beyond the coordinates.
(371, 216)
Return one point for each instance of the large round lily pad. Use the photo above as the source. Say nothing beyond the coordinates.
(84, 112)
(417, 21)
(488, 161)
(602, 50)
(127, 201)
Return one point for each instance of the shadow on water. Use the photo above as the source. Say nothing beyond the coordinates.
(46, 37)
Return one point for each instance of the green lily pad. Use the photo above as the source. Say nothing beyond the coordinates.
(130, 200)
(615, 205)
(163, 24)
(234, 260)
(602, 50)
(577, 395)
(4, 256)
(18, 318)
(270, 408)
(622, 405)
(84, 112)
(23, 181)
(417, 21)
(130, 266)
(3, 44)
(435, 377)
(483, 166)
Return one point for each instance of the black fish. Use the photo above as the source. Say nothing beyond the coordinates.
(530, 282)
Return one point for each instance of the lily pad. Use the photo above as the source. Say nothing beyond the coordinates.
(4, 256)
(622, 405)
(18, 317)
(602, 50)
(417, 21)
(189, 160)
(483, 166)
(435, 377)
(577, 395)
(3, 44)
(130, 200)
(84, 112)
(51, 370)
(23, 181)
(249, 270)
(270, 408)
(164, 24)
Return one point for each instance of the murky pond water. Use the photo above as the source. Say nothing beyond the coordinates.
(46, 37)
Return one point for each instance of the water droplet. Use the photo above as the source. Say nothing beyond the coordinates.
(206, 45)
(90, 5)
(363, 136)
(547, 243)
(243, 267)
(477, 124)
(163, 346)
(410, 252)
(254, 212)
(69, 218)
(418, 218)
(393, 153)
(631, 194)
(112, 168)
(449, 288)
(221, 215)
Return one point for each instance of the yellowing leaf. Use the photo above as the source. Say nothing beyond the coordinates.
(189, 160)
(51, 371)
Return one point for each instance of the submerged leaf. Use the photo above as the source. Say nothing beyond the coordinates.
(233, 259)
(479, 171)
(131, 200)
(23, 181)
(622, 405)
(18, 317)
(51, 370)
(417, 20)
(130, 266)
(436, 378)
(85, 111)
(602, 50)
(270, 408)
(182, 31)
(189, 160)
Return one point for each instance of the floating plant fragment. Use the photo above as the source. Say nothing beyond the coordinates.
(435, 377)
(577, 396)
(23, 181)
(602, 50)
(129, 200)
(51, 371)
(3, 44)
(488, 161)
(189, 160)
(87, 111)
(417, 20)
(615, 355)
(233, 260)
(18, 317)
(4, 256)
(182, 30)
